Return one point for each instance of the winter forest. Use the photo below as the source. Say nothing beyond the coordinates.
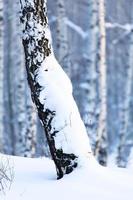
(92, 41)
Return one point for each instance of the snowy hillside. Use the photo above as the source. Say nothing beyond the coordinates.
(36, 179)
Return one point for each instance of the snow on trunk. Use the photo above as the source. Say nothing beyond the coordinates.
(51, 91)
(1, 75)
(101, 144)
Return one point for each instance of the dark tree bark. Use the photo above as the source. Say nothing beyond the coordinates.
(59, 118)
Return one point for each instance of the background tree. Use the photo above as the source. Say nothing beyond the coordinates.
(118, 29)
(126, 107)
(62, 37)
(19, 113)
(101, 143)
(88, 83)
(1, 75)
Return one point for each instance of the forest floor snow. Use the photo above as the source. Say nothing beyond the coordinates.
(35, 179)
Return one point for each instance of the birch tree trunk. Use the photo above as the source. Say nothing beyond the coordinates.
(62, 37)
(26, 116)
(130, 159)
(125, 109)
(51, 91)
(19, 112)
(9, 78)
(31, 129)
(1, 75)
(90, 75)
(101, 144)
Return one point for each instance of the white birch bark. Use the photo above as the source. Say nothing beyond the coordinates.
(31, 129)
(101, 144)
(52, 92)
(25, 114)
(62, 37)
(89, 82)
(1, 74)
(20, 116)
(125, 109)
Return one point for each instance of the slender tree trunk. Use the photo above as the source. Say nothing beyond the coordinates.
(125, 109)
(19, 113)
(25, 112)
(31, 129)
(9, 78)
(1, 75)
(20, 108)
(89, 82)
(62, 38)
(51, 91)
(130, 159)
(101, 144)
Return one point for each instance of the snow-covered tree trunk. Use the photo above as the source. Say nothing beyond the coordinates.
(51, 91)
(125, 108)
(62, 37)
(101, 143)
(1, 75)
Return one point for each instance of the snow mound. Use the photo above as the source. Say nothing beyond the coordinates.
(36, 179)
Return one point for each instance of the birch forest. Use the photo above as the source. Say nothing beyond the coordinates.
(93, 42)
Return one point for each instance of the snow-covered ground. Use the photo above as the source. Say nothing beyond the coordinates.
(35, 179)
